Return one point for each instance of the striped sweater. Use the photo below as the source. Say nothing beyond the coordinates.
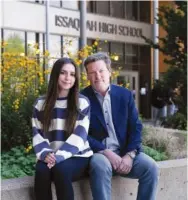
(76, 145)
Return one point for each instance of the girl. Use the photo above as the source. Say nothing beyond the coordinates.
(60, 125)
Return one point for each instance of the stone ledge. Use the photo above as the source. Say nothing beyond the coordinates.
(172, 185)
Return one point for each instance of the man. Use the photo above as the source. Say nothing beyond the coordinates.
(115, 134)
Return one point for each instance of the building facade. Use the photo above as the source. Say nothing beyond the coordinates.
(120, 23)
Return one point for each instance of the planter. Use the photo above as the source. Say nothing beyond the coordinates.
(172, 185)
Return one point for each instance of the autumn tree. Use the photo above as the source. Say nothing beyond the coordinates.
(173, 19)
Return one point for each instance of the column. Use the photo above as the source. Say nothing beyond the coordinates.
(156, 40)
(83, 38)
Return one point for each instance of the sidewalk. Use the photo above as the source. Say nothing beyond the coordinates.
(148, 122)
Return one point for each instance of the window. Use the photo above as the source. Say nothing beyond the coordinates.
(40, 39)
(23, 42)
(73, 4)
(90, 42)
(54, 48)
(70, 45)
(121, 80)
(138, 10)
(117, 9)
(31, 41)
(131, 54)
(29, 1)
(104, 47)
(131, 10)
(55, 3)
(35, 42)
(145, 16)
(144, 52)
(15, 41)
(117, 50)
(90, 6)
(103, 7)
(41, 2)
(34, 1)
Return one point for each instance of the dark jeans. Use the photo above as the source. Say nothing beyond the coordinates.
(62, 174)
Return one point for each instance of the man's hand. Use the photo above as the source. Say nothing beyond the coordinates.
(50, 160)
(114, 159)
(126, 165)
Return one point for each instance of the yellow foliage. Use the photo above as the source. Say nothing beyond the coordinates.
(46, 53)
(28, 149)
(23, 75)
(96, 43)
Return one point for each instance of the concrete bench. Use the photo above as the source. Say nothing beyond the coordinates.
(172, 185)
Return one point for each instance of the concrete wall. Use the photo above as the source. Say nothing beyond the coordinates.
(172, 185)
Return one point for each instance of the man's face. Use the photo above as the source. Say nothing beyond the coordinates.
(99, 76)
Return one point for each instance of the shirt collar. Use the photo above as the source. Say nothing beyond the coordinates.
(97, 93)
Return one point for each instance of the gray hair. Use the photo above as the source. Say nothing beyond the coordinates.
(98, 56)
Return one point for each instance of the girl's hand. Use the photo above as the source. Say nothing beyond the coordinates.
(50, 165)
(50, 159)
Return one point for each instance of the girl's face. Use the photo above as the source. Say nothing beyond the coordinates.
(66, 78)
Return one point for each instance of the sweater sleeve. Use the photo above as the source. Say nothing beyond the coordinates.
(40, 144)
(76, 141)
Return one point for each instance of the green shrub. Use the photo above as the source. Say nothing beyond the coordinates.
(156, 155)
(16, 125)
(177, 121)
(159, 144)
(17, 163)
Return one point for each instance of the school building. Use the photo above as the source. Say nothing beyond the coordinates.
(121, 23)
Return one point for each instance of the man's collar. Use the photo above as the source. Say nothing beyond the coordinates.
(108, 90)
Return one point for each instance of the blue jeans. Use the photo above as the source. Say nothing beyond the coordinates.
(144, 169)
(63, 174)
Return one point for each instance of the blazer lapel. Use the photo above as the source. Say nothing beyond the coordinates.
(96, 108)
(114, 105)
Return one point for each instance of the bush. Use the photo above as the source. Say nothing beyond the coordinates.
(156, 155)
(22, 82)
(173, 143)
(20, 162)
(16, 124)
(17, 163)
(177, 121)
(15, 129)
(154, 146)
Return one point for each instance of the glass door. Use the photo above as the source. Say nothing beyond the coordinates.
(129, 79)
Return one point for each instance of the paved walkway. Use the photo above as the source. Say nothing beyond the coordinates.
(150, 122)
(147, 122)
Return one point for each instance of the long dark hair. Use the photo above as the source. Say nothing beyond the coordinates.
(52, 95)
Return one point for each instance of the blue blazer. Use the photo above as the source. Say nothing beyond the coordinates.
(127, 125)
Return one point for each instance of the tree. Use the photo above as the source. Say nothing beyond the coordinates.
(173, 19)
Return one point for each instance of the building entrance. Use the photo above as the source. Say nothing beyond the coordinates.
(130, 80)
